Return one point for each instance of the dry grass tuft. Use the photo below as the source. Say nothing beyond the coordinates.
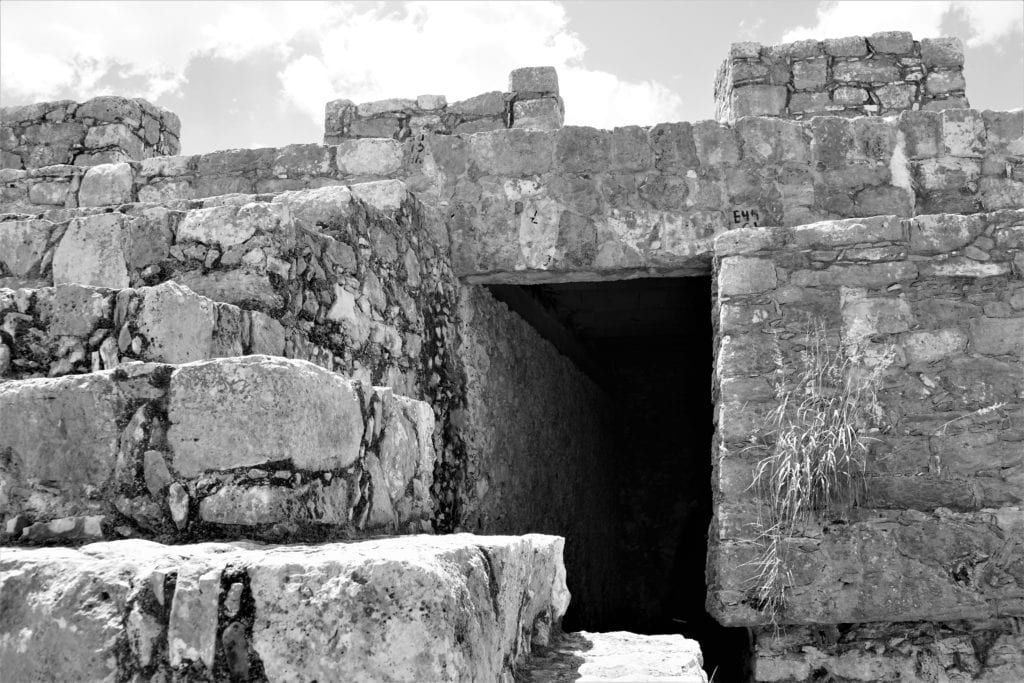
(815, 445)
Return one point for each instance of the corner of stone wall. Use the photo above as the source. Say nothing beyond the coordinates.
(531, 102)
(884, 73)
(102, 130)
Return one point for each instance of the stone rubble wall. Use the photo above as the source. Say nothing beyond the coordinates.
(102, 130)
(550, 204)
(539, 448)
(424, 608)
(354, 279)
(257, 446)
(883, 74)
(991, 650)
(939, 534)
(532, 102)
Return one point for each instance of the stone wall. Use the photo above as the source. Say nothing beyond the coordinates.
(938, 301)
(99, 131)
(532, 102)
(880, 75)
(271, 449)
(991, 650)
(539, 447)
(551, 204)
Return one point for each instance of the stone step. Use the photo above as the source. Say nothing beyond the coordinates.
(72, 329)
(414, 608)
(360, 269)
(616, 657)
(254, 447)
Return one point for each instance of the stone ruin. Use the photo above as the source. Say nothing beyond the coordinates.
(374, 409)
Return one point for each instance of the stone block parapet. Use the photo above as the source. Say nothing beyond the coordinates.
(409, 609)
(938, 301)
(255, 446)
(882, 74)
(531, 102)
(102, 130)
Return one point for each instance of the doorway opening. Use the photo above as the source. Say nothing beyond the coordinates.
(648, 344)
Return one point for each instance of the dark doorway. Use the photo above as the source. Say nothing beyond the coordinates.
(648, 343)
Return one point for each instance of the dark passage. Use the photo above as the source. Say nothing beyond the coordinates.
(648, 343)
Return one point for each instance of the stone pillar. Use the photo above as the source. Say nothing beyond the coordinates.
(883, 74)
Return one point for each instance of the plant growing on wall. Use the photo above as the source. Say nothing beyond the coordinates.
(815, 443)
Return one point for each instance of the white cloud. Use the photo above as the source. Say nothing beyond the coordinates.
(326, 50)
(989, 21)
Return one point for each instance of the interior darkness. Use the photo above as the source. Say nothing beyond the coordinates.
(648, 343)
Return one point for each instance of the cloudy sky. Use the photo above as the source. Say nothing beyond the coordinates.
(252, 74)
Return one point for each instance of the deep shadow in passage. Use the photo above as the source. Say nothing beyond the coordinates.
(648, 344)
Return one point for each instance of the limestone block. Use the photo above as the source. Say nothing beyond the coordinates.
(431, 102)
(513, 153)
(892, 42)
(243, 412)
(405, 445)
(62, 432)
(91, 253)
(487, 104)
(1004, 131)
(852, 46)
(177, 324)
(533, 80)
(745, 275)
(240, 287)
(810, 74)
(297, 161)
(963, 132)
(74, 310)
(482, 125)
(829, 234)
(875, 70)
(107, 184)
(619, 656)
(383, 195)
(546, 113)
(943, 233)
(745, 50)
(758, 100)
(631, 150)
(945, 51)
(673, 146)
(23, 244)
(228, 225)
(941, 82)
(870, 275)
(110, 108)
(369, 156)
(849, 96)
(377, 127)
(897, 95)
(53, 193)
(944, 103)
(267, 335)
(717, 145)
(369, 109)
(422, 608)
(865, 317)
(809, 102)
(112, 135)
(804, 49)
(997, 336)
(930, 346)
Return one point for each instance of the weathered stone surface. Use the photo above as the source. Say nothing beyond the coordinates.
(90, 253)
(852, 46)
(406, 609)
(177, 323)
(616, 656)
(534, 79)
(942, 82)
(945, 51)
(809, 74)
(107, 184)
(743, 275)
(60, 432)
(487, 104)
(546, 113)
(894, 42)
(242, 412)
(369, 157)
(758, 100)
(74, 310)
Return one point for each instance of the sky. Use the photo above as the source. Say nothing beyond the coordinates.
(257, 74)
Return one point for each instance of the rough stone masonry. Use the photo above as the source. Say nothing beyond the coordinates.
(294, 345)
